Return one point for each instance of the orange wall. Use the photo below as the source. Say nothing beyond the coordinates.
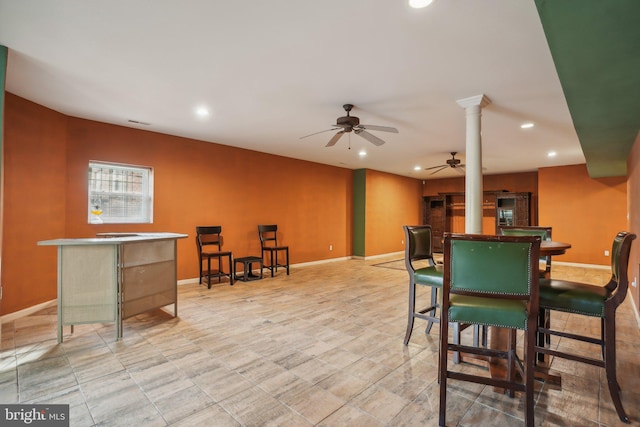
(583, 211)
(199, 183)
(391, 202)
(196, 183)
(633, 209)
(34, 201)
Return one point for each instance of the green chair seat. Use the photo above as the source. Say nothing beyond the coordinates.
(488, 311)
(429, 276)
(573, 297)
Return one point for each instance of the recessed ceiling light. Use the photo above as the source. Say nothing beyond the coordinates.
(362, 153)
(417, 168)
(551, 154)
(526, 125)
(202, 112)
(418, 4)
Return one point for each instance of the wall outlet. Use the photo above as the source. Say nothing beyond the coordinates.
(330, 247)
(402, 242)
(606, 253)
(635, 282)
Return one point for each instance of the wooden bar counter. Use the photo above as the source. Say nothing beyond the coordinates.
(114, 276)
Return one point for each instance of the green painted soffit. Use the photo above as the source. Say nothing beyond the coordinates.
(595, 45)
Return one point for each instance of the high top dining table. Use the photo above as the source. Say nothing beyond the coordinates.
(551, 247)
(499, 336)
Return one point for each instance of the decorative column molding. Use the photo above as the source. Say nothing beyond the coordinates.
(473, 162)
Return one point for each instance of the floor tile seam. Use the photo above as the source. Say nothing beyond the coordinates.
(86, 404)
(42, 400)
(19, 382)
(257, 384)
(292, 409)
(357, 408)
(351, 401)
(519, 417)
(15, 365)
(221, 403)
(146, 395)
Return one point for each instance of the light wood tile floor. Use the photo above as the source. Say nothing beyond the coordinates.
(322, 346)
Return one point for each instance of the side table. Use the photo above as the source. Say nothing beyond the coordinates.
(247, 262)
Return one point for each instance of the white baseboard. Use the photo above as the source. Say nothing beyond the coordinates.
(302, 264)
(576, 264)
(27, 311)
(401, 253)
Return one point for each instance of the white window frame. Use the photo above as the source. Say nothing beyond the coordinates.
(119, 193)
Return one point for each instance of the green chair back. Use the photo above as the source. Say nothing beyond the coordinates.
(491, 266)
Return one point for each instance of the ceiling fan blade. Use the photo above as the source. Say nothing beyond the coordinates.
(322, 131)
(459, 169)
(441, 168)
(335, 139)
(380, 128)
(436, 167)
(369, 137)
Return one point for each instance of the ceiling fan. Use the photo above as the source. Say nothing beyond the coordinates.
(450, 163)
(349, 123)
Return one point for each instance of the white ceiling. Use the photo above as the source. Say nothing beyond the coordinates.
(273, 71)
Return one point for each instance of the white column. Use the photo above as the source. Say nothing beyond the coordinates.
(473, 177)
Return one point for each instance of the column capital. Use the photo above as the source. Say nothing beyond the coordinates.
(474, 101)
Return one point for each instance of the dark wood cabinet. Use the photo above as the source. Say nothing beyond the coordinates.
(512, 209)
(435, 214)
(445, 212)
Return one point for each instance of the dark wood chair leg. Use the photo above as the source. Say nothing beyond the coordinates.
(511, 375)
(529, 380)
(434, 303)
(287, 254)
(276, 263)
(610, 365)
(442, 373)
(542, 314)
(412, 309)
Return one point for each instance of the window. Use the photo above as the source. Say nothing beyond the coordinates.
(120, 193)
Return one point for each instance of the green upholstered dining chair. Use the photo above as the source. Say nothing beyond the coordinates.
(418, 248)
(594, 301)
(424, 271)
(544, 317)
(491, 280)
(543, 232)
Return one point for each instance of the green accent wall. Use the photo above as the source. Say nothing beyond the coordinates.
(595, 45)
(359, 210)
(3, 76)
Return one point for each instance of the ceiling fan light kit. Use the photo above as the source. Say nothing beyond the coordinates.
(349, 123)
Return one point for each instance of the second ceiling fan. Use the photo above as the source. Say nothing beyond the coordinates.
(452, 163)
(350, 123)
